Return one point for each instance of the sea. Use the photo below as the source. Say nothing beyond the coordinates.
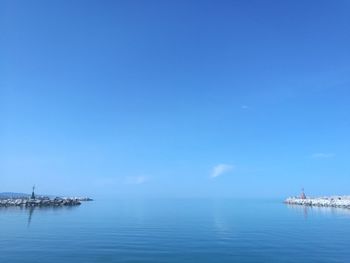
(175, 231)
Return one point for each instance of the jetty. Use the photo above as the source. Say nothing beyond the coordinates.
(41, 201)
(326, 201)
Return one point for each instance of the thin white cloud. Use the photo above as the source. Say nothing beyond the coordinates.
(322, 155)
(221, 169)
(136, 179)
(245, 107)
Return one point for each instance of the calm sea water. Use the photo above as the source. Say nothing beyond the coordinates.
(175, 231)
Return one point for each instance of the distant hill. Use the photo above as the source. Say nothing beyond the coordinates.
(13, 195)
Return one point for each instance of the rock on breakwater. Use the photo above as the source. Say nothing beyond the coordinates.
(26, 202)
(333, 201)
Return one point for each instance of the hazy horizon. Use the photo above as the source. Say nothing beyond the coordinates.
(139, 99)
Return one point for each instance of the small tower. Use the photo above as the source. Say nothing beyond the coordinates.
(33, 195)
(302, 196)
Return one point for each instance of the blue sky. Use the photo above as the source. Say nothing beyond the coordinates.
(175, 98)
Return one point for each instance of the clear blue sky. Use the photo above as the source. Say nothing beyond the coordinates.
(175, 98)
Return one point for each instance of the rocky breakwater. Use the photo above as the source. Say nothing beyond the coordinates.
(42, 202)
(333, 201)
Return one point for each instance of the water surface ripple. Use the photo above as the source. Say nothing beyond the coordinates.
(181, 230)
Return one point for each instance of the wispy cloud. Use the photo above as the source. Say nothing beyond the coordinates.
(221, 169)
(136, 179)
(322, 155)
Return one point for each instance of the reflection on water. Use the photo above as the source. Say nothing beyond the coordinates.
(308, 210)
(223, 225)
(30, 211)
